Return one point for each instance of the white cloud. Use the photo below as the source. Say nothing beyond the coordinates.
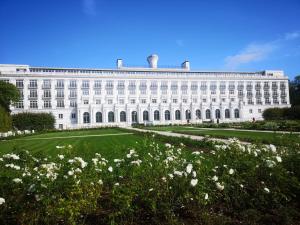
(179, 43)
(292, 35)
(252, 53)
(89, 7)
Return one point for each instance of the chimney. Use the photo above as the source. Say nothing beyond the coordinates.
(152, 60)
(119, 63)
(185, 65)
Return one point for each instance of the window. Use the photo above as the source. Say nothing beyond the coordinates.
(204, 100)
(111, 117)
(121, 101)
(73, 94)
(33, 105)
(154, 100)
(231, 92)
(134, 117)
(98, 101)
(97, 92)
(132, 101)
(98, 117)
(60, 94)
(60, 104)
(188, 114)
(109, 101)
(32, 83)
(232, 99)
(198, 114)
(175, 100)
(143, 101)
(86, 117)
(227, 113)
(73, 104)
(218, 114)
(156, 115)
(97, 84)
(60, 84)
(164, 101)
(177, 115)
(167, 115)
(85, 92)
(19, 84)
(145, 116)
(250, 111)
(85, 84)
(60, 116)
(122, 116)
(194, 100)
(213, 99)
(19, 105)
(236, 113)
(184, 100)
(60, 126)
(33, 94)
(85, 102)
(223, 100)
(47, 94)
(207, 114)
(73, 115)
(47, 104)
(72, 84)
(259, 110)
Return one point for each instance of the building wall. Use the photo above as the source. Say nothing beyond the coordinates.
(139, 90)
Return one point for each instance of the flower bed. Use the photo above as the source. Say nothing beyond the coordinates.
(153, 184)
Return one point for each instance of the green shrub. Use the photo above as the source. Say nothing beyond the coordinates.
(274, 114)
(33, 121)
(5, 120)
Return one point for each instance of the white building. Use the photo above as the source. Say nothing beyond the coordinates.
(123, 96)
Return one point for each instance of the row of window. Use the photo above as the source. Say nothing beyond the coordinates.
(157, 116)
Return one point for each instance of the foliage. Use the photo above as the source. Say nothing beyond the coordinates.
(292, 113)
(5, 120)
(295, 91)
(33, 121)
(8, 94)
(154, 184)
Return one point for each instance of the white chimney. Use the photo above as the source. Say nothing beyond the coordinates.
(152, 60)
(185, 65)
(119, 63)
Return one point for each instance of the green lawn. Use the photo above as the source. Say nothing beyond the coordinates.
(85, 142)
(252, 136)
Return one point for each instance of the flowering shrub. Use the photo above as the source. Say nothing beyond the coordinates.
(154, 184)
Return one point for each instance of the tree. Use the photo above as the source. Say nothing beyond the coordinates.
(295, 91)
(8, 94)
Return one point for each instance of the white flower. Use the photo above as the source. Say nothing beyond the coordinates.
(194, 174)
(117, 184)
(117, 160)
(178, 173)
(270, 163)
(17, 180)
(95, 160)
(61, 156)
(215, 178)
(128, 156)
(196, 153)
(206, 196)
(194, 182)
(81, 161)
(58, 147)
(100, 182)
(219, 186)
(2, 201)
(168, 145)
(71, 172)
(78, 170)
(110, 169)
(278, 158)
(272, 148)
(189, 168)
(267, 190)
(11, 156)
(136, 162)
(231, 171)
(151, 189)
(171, 176)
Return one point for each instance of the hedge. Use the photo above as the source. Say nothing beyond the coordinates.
(282, 113)
(5, 120)
(33, 121)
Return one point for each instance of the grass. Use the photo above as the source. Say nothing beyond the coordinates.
(251, 136)
(84, 142)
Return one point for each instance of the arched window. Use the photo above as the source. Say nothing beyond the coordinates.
(145, 115)
(236, 113)
(111, 117)
(167, 115)
(218, 114)
(156, 115)
(134, 117)
(198, 114)
(86, 117)
(98, 117)
(122, 116)
(188, 114)
(177, 115)
(207, 114)
(227, 113)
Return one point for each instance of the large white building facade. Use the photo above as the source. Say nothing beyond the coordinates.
(81, 98)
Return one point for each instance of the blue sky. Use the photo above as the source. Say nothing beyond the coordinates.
(240, 35)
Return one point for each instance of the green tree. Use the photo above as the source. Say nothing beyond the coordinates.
(295, 91)
(8, 94)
